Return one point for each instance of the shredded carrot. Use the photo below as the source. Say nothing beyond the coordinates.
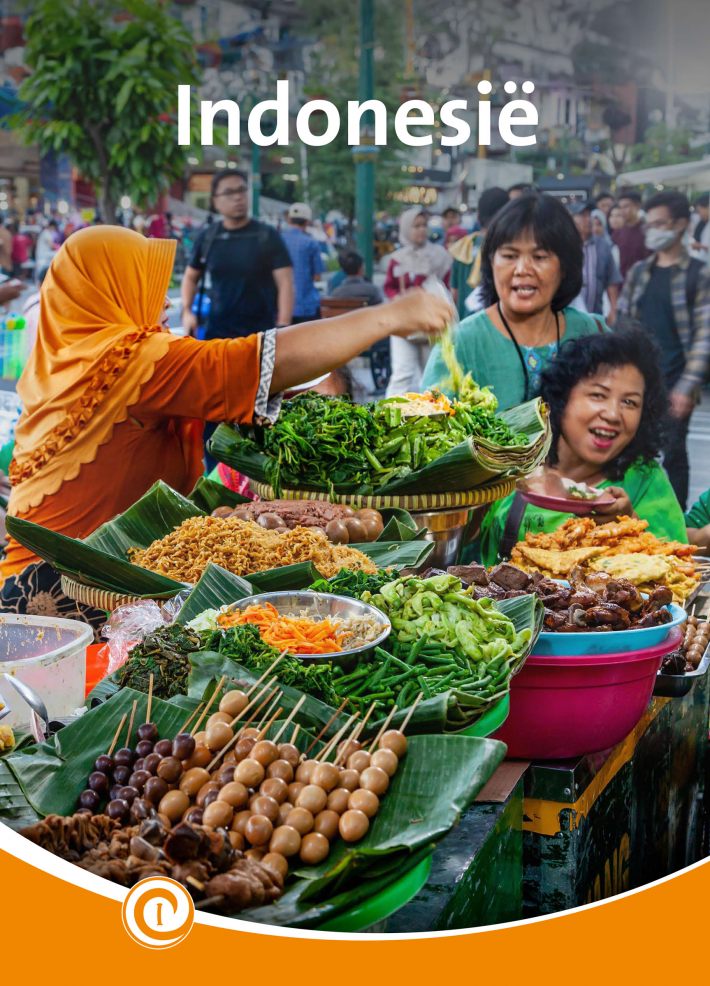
(297, 635)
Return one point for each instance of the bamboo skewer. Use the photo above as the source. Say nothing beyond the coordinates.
(269, 724)
(266, 673)
(383, 728)
(190, 718)
(256, 698)
(356, 733)
(295, 733)
(207, 708)
(130, 722)
(332, 744)
(288, 721)
(117, 734)
(273, 705)
(327, 726)
(150, 698)
(416, 702)
(256, 712)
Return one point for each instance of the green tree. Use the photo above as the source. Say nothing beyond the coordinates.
(663, 145)
(103, 90)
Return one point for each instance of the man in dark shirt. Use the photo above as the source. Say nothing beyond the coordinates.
(249, 268)
(630, 238)
(669, 294)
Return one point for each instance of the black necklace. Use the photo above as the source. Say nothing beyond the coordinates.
(519, 351)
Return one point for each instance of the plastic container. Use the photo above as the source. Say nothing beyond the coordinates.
(49, 655)
(568, 706)
(607, 642)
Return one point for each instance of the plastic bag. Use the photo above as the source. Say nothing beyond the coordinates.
(129, 625)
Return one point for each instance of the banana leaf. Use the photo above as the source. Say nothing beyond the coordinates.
(208, 495)
(471, 464)
(90, 565)
(14, 808)
(155, 514)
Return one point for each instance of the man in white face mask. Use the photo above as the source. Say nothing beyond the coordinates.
(669, 294)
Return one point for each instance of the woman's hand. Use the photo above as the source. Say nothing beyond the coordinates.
(621, 506)
(418, 311)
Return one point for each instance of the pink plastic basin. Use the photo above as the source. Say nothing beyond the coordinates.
(563, 707)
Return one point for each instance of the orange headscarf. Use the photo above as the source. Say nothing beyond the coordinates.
(98, 340)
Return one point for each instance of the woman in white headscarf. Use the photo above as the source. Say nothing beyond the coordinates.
(409, 267)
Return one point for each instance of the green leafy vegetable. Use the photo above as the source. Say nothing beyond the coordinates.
(164, 653)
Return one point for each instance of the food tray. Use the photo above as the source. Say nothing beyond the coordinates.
(482, 495)
(321, 605)
(678, 685)
(550, 644)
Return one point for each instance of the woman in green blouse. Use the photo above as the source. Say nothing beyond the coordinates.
(531, 270)
(607, 401)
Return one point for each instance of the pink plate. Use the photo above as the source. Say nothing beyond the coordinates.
(566, 505)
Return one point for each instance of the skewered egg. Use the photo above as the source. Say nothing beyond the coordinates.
(387, 760)
(338, 800)
(258, 830)
(364, 801)
(375, 779)
(326, 822)
(394, 740)
(313, 798)
(359, 760)
(265, 752)
(274, 787)
(353, 825)
(218, 735)
(285, 840)
(325, 775)
(250, 772)
(314, 848)
(219, 814)
(233, 702)
(277, 862)
(235, 794)
(300, 819)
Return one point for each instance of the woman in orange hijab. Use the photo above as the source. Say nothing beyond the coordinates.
(113, 402)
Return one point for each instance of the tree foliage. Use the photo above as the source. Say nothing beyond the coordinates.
(663, 145)
(103, 91)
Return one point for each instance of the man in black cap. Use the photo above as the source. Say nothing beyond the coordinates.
(600, 272)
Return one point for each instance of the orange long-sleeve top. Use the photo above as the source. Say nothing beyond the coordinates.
(215, 380)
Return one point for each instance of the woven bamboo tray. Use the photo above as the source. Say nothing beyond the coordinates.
(479, 497)
(105, 599)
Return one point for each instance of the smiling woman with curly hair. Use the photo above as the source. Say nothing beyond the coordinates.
(607, 402)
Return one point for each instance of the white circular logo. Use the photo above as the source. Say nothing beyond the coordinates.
(158, 912)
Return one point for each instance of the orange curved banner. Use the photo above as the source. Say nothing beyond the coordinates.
(75, 932)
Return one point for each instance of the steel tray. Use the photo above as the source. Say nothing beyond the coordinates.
(678, 685)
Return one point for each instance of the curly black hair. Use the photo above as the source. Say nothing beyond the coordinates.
(579, 359)
(553, 228)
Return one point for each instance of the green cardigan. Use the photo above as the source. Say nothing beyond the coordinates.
(492, 358)
(647, 486)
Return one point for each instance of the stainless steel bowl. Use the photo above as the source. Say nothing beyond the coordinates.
(319, 606)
